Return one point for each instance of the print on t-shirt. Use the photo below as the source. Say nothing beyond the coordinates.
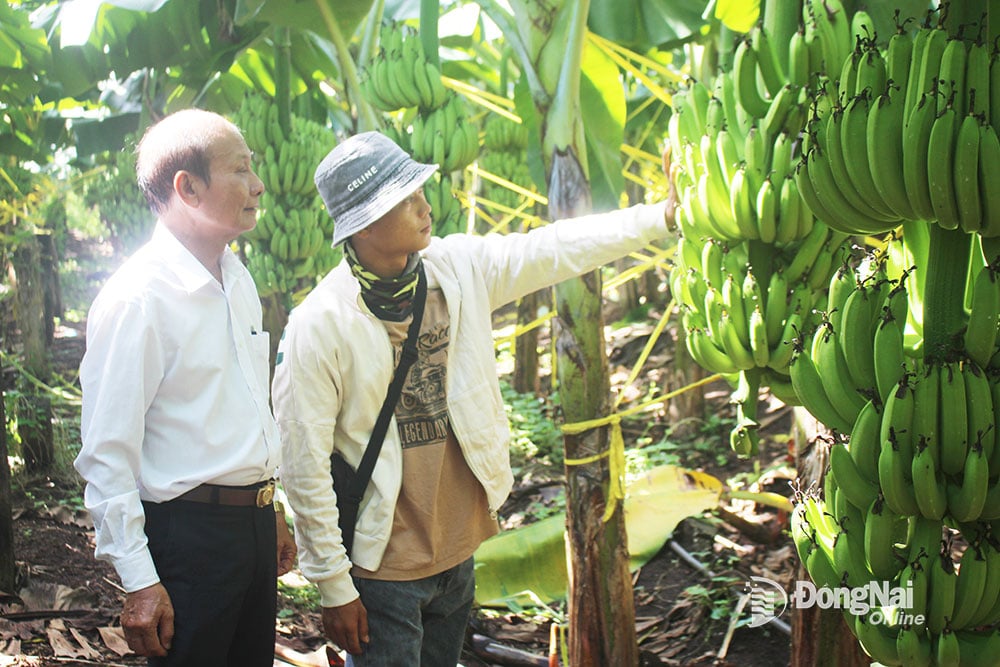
(422, 413)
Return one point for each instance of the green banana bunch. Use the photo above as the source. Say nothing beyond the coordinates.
(815, 532)
(504, 135)
(293, 228)
(511, 167)
(445, 136)
(917, 123)
(737, 187)
(121, 205)
(736, 323)
(400, 76)
(446, 210)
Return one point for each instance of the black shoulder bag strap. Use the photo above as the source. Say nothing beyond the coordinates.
(349, 498)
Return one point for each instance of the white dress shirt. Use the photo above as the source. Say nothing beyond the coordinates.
(175, 393)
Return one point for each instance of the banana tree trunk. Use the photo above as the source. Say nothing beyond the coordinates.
(6, 511)
(526, 346)
(548, 39)
(820, 637)
(601, 604)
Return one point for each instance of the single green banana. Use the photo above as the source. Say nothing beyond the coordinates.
(941, 595)
(894, 471)
(989, 163)
(758, 338)
(881, 528)
(977, 79)
(856, 488)
(856, 336)
(929, 488)
(916, 138)
(853, 140)
(991, 587)
(864, 443)
(913, 647)
(953, 420)
(980, 336)
(708, 355)
(809, 387)
(948, 652)
(966, 174)
(951, 73)
(830, 364)
(731, 340)
(768, 62)
(745, 68)
(767, 212)
(878, 641)
(897, 420)
(799, 66)
(871, 75)
(890, 359)
(776, 302)
(926, 387)
(791, 211)
(914, 83)
(781, 352)
(885, 153)
(969, 586)
(941, 150)
(966, 501)
(980, 408)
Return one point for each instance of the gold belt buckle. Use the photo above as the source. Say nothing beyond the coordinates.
(265, 495)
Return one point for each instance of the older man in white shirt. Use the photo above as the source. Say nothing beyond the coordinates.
(180, 450)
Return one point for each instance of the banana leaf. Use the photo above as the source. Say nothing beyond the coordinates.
(527, 566)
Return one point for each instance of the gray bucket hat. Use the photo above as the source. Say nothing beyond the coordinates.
(362, 178)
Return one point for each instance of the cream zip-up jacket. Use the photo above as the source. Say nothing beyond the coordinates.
(335, 363)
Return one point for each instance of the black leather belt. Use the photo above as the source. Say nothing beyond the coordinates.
(258, 495)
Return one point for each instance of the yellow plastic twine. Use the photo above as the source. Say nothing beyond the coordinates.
(616, 445)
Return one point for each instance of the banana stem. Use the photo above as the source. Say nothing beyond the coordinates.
(499, 15)
(430, 10)
(768, 498)
(367, 118)
(993, 21)
(283, 78)
(780, 20)
(944, 292)
(564, 126)
(370, 35)
(962, 17)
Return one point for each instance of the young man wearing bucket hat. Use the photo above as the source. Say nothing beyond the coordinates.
(403, 594)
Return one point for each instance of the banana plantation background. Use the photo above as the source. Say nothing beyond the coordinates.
(835, 250)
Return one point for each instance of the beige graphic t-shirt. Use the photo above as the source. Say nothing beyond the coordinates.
(442, 515)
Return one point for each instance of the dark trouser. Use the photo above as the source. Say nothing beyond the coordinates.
(219, 565)
(417, 623)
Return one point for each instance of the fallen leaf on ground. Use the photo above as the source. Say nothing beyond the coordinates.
(114, 639)
(63, 647)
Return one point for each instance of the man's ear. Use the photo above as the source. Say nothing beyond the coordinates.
(188, 187)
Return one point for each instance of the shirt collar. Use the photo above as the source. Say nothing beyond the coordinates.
(192, 274)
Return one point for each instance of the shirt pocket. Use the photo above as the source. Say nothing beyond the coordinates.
(260, 355)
